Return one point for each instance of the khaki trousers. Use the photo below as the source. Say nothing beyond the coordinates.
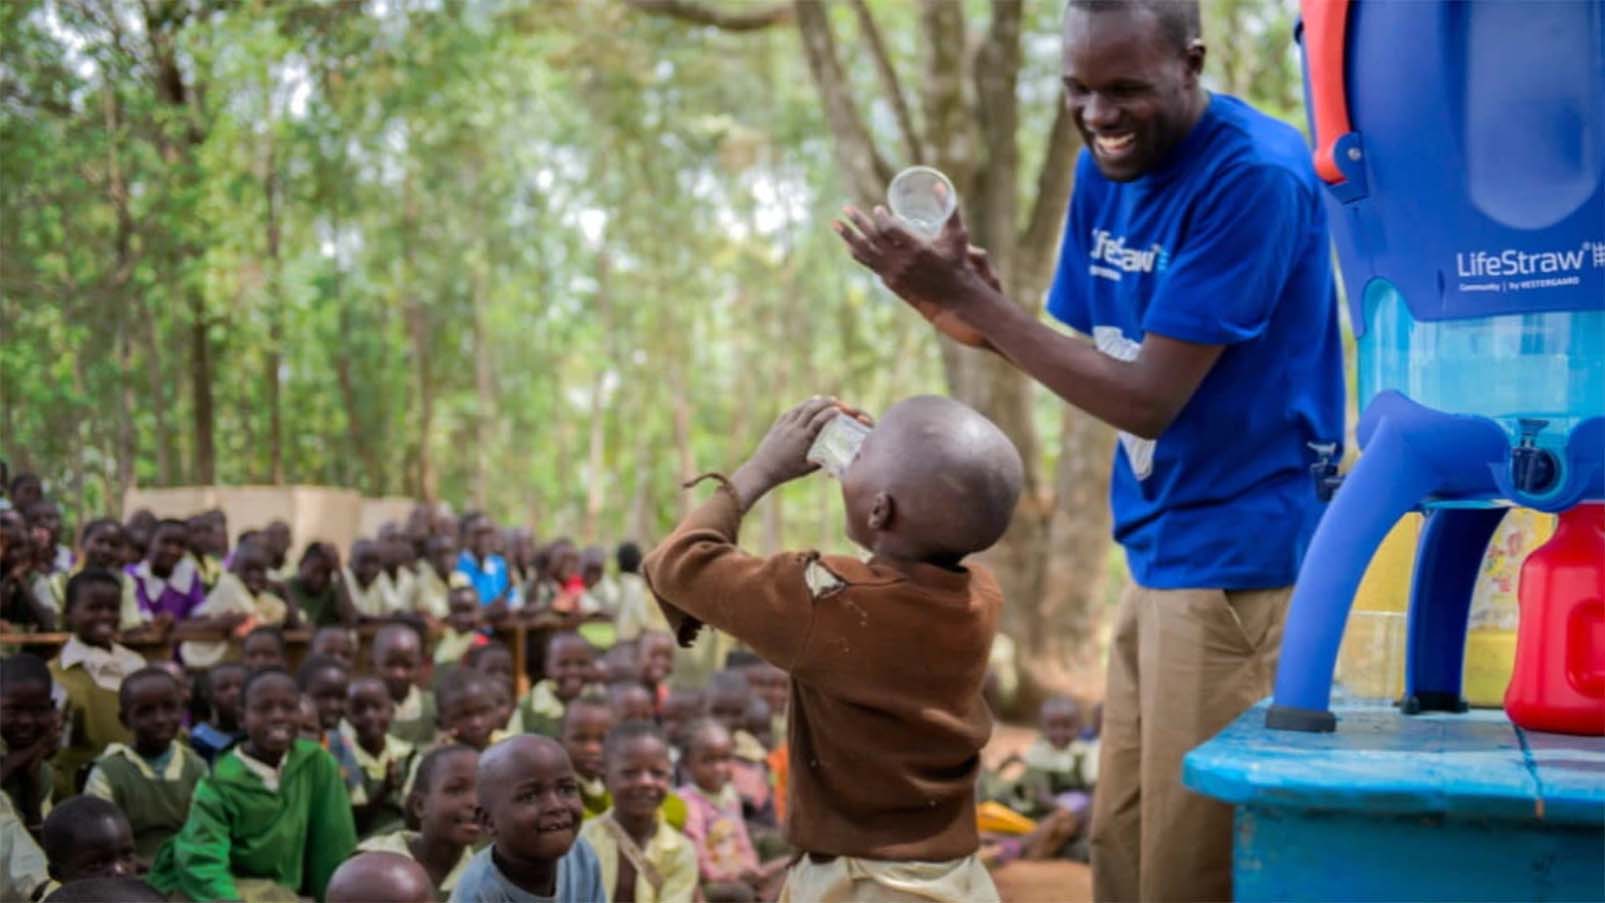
(1182, 665)
(848, 880)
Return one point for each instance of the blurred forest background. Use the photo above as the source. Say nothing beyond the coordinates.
(544, 257)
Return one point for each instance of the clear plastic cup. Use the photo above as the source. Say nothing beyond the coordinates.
(837, 444)
(923, 198)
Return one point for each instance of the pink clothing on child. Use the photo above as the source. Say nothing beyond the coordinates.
(715, 826)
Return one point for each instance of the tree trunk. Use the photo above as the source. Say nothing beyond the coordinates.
(127, 440)
(200, 370)
(274, 361)
(484, 392)
(427, 483)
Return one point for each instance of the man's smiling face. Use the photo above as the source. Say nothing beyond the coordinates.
(1132, 91)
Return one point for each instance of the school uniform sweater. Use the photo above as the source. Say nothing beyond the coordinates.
(291, 825)
(886, 718)
(157, 804)
(90, 677)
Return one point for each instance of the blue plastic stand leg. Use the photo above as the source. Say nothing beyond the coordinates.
(1410, 453)
(1448, 559)
(1385, 484)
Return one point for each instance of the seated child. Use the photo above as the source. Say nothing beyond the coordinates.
(102, 542)
(467, 709)
(30, 729)
(462, 625)
(570, 663)
(642, 858)
(90, 669)
(655, 657)
(384, 760)
(222, 730)
(933, 483)
(310, 727)
(530, 807)
(186, 695)
(679, 709)
(313, 590)
(495, 661)
(167, 586)
(88, 837)
(583, 733)
(630, 702)
(637, 612)
(153, 778)
(1061, 768)
(241, 594)
(441, 810)
(758, 724)
(367, 877)
(372, 593)
(436, 578)
(324, 681)
(264, 648)
(619, 664)
(24, 871)
(729, 695)
(772, 686)
(397, 653)
(272, 818)
(726, 859)
(336, 643)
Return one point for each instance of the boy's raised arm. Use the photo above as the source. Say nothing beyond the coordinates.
(699, 575)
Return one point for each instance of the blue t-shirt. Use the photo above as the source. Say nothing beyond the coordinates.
(579, 880)
(1225, 243)
(489, 580)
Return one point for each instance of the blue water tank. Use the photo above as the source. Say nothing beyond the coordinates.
(1464, 143)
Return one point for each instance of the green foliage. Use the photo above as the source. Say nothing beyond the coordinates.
(436, 239)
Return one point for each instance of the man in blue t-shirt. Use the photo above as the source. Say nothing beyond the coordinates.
(1195, 256)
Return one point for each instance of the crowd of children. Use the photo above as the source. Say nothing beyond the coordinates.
(408, 755)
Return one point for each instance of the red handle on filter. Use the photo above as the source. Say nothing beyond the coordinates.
(1326, 26)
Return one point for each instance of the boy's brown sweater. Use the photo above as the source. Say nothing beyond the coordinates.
(887, 721)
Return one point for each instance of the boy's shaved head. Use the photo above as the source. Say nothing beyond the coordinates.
(503, 762)
(380, 878)
(934, 480)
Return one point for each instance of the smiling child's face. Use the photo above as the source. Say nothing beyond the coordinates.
(370, 711)
(570, 662)
(151, 710)
(450, 808)
(327, 690)
(656, 657)
(272, 717)
(638, 776)
(585, 730)
(535, 812)
(93, 614)
(469, 715)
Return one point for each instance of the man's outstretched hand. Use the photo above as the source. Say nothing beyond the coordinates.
(933, 277)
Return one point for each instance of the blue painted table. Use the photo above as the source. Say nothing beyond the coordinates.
(1396, 807)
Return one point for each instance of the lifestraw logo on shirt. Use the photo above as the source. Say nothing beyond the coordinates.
(1139, 451)
(1119, 259)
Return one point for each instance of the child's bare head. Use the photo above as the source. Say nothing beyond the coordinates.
(934, 481)
(570, 663)
(630, 701)
(375, 876)
(336, 643)
(586, 722)
(529, 800)
(467, 707)
(88, 837)
(728, 695)
(655, 654)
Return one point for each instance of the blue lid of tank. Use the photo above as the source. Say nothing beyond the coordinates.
(1475, 159)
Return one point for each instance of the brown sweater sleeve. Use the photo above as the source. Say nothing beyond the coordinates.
(699, 571)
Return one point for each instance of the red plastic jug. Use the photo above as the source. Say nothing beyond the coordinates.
(1559, 679)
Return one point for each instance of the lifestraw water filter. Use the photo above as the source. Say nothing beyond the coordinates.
(1463, 150)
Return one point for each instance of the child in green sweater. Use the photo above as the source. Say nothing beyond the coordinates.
(152, 780)
(273, 819)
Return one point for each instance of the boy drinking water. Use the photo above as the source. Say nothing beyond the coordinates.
(152, 779)
(887, 657)
(529, 804)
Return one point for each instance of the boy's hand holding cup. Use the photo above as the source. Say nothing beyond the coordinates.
(782, 456)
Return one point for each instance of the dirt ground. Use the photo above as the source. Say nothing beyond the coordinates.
(1034, 882)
